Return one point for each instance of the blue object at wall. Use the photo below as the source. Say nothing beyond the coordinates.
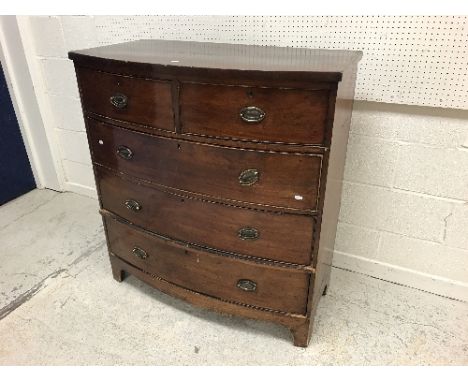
(16, 177)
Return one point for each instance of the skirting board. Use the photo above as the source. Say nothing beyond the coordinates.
(81, 190)
(429, 283)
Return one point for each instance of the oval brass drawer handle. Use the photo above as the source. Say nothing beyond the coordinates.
(247, 285)
(140, 253)
(248, 233)
(124, 152)
(249, 177)
(133, 205)
(252, 114)
(119, 100)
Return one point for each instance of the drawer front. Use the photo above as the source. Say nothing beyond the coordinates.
(275, 288)
(282, 237)
(254, 113)
(279, 179)
(136, 100)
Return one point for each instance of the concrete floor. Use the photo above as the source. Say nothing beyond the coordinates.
(59, 305)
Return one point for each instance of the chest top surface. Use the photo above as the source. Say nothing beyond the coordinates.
(192, 54)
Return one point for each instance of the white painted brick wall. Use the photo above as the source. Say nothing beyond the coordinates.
(424, 256)
(405, 198)
(411, 124)
(73, 145)
(407, 179)
(79, 174)
(357, 240)
(456, 233)
(433, 171)
(52, 37)
(55, 69)
(408, 214)
(371, 160)
(48, 37)
(66, 112)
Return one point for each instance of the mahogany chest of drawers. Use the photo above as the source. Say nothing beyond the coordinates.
(219, 169)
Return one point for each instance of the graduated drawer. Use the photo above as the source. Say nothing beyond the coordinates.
(275, 288)
(141, 101)
(254, 113)
(289, 180)
(282, 237)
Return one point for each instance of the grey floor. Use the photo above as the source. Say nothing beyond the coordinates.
(59, 305)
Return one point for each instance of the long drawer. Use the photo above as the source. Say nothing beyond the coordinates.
(281, 237)
(141, 101)
(275, 288)
(254, 113)
(289, 180)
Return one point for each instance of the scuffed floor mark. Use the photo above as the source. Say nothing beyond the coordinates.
(26, 296)
(89, 251)
(63, 303)
(30, 211)
(72, 272)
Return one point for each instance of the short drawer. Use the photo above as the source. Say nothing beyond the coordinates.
(254, 113)
(275, 288)
(136, 100)
(282, 237)
(289, 180)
